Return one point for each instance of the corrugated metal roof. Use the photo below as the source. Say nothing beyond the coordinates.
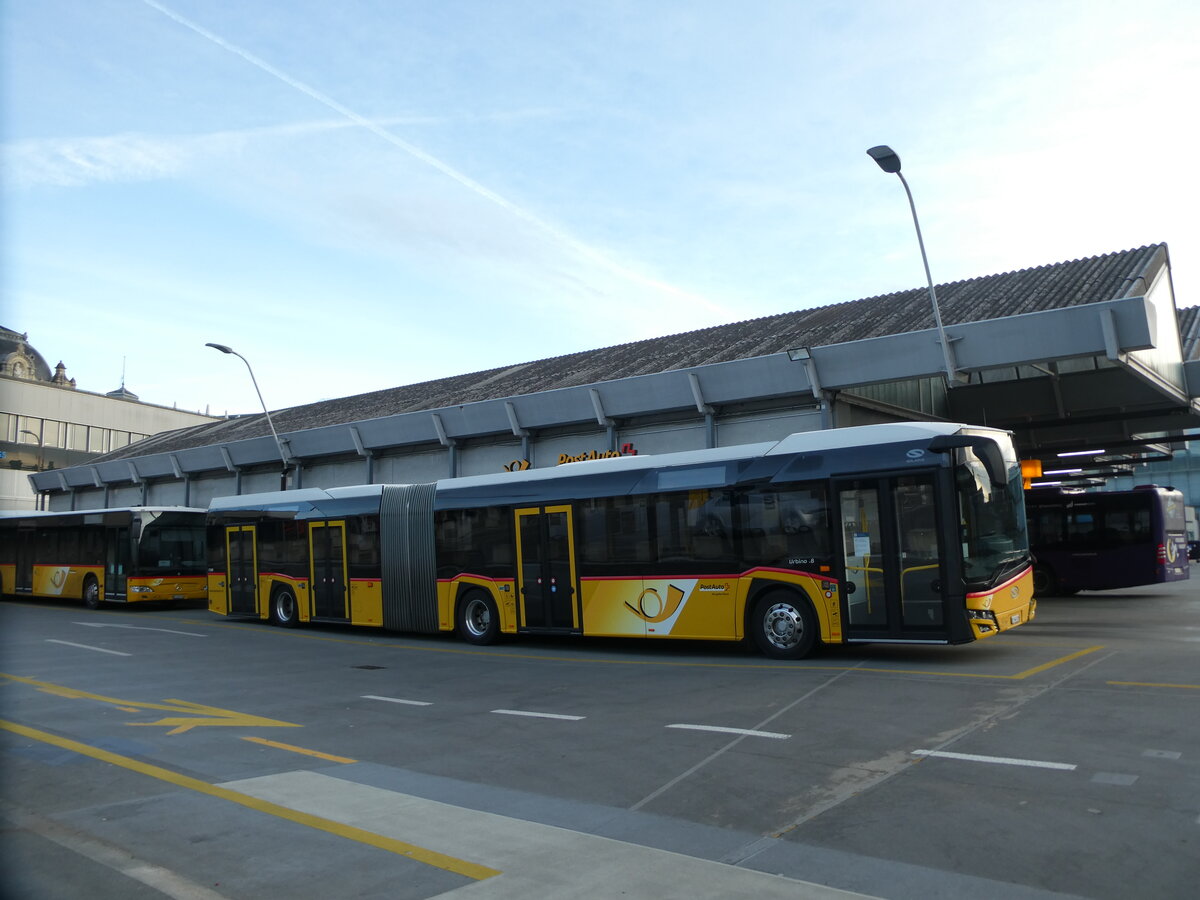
(1189, 331)
(1054, 286)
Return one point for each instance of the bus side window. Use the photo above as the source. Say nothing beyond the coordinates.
(614, 530)
(69, 546)
(362, 546)
(787, 527)
(474, 541)
(1081, 527)
(46, 546)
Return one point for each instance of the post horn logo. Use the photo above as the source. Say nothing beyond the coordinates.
(651, 608)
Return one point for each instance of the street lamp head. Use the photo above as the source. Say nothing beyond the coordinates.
(266, 412)
(886, 157)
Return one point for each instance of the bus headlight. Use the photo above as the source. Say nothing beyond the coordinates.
(141, 589)
(985, 614)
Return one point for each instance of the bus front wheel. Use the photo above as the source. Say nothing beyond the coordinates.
(783, 626)
(478, 618)
(91, 593)
(284, 609)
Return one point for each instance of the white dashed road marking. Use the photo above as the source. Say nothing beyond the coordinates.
(86, 647)
(998, 760)
(747, 732)
(396, 700)
(537, 715)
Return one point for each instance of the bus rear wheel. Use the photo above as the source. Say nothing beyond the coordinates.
(91, 593)
(783, 626)
(284, 609)
(478, 618)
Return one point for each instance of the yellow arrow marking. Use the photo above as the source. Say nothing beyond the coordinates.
(202, 715)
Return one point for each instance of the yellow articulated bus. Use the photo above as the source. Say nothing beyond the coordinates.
(910, 533)
(128, 555)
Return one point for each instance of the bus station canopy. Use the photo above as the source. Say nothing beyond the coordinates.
(1088, 357)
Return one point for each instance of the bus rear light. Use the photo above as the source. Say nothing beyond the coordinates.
(1162, 554)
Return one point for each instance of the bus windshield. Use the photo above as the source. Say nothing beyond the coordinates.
(171, 543)
(995, 541)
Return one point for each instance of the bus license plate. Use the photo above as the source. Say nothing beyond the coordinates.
(179, 597)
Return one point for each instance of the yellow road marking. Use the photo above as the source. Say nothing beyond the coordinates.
(362, 836)
(1194, 687)
(204, 715)
(1056, 662)
(316, 753)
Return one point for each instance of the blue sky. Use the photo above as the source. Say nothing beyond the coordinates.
(363, 194)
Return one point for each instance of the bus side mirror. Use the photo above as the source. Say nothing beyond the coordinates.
(986, 451)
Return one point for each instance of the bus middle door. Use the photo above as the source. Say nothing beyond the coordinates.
(241, 552)
(330, 587)
(546, 590)
(26, 541)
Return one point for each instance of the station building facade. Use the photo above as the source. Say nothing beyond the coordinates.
(48, 423)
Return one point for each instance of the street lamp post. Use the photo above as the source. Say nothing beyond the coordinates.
(270, 424)
(889, 161)
(40, 457)
(41, 447)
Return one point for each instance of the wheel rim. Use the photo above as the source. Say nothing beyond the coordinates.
(285, 607)
(477, 618)
(783, 626)
(91, 593)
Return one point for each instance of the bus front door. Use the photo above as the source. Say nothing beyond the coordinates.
(892, 560)
(546, 569)
(327, 550)
(242, 577)
(117, 559)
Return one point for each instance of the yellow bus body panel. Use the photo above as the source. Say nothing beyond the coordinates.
(182, 587)
(366, 602)
(695, 607)
(218, 599)
(1011, 603)
(62, 581)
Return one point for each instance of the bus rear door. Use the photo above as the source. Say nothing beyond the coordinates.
(546, 581)
(892, 560)
(327, 550)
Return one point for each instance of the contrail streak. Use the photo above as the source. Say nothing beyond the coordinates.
(465, 180)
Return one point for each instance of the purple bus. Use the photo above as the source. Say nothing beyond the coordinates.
(1108, 539)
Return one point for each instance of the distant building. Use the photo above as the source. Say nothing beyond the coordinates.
(47, 423)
